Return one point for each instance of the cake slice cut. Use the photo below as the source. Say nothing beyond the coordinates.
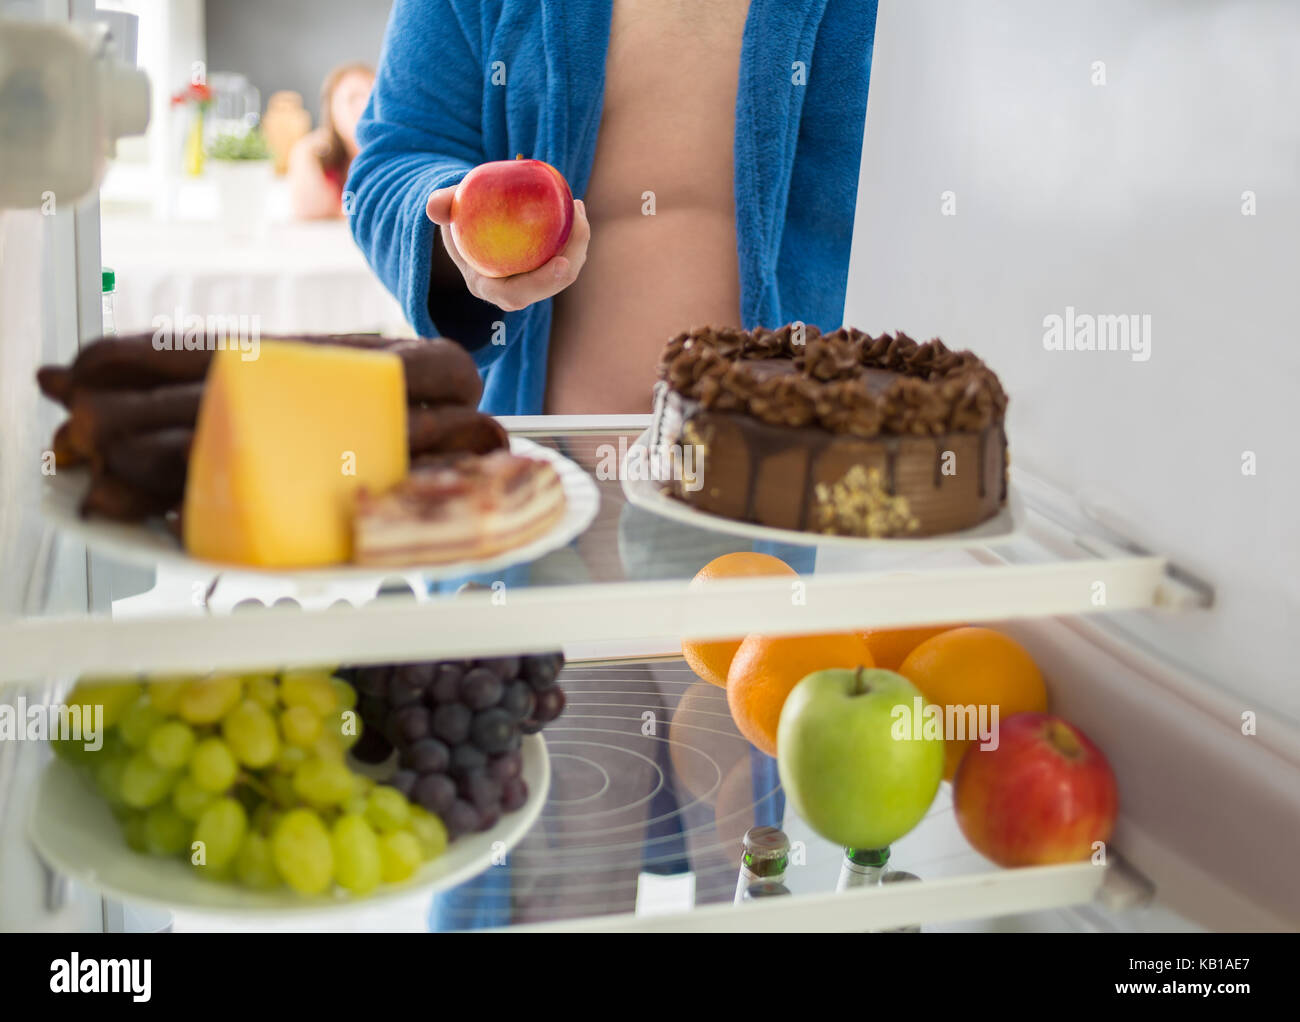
(460, 508)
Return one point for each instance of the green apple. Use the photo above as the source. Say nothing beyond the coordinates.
(842, 767)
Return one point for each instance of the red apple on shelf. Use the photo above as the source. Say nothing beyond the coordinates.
(511, 216)
(1044, 795)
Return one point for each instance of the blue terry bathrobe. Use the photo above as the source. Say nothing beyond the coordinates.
(435, 113)
(463, 82)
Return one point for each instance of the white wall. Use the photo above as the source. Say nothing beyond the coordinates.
(293, 44)
(1117, 198)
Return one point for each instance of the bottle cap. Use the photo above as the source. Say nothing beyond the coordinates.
(108, 281)
(766, 842)
(766, 846)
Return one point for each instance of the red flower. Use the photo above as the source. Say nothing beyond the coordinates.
(195, 92)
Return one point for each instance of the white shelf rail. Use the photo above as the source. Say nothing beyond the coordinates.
(482, 623)
(943, 900)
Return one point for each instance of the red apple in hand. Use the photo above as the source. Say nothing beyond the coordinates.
(1044, 795)
(511, 216)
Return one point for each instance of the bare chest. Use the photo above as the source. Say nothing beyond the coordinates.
(668, 119)
(661, 204)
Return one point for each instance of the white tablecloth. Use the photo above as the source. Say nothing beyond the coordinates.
(306, 277)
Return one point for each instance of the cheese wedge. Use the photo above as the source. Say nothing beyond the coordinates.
(282, 443)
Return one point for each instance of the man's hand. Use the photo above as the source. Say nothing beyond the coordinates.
(523, 289)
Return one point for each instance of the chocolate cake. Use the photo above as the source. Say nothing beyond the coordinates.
(839, 433)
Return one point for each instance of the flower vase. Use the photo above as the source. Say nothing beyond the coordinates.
(193, 158)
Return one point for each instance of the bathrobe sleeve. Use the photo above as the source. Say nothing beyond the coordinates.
(421, 130)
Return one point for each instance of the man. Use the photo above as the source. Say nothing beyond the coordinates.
(713, 147)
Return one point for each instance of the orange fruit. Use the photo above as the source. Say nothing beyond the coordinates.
(890, 646)
(766, 668)
(702, 744)
(733, 813)
(979, 667)
(711, 660)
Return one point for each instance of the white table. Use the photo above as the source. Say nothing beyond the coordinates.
(305, 277)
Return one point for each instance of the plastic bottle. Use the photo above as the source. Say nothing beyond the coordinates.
(108, 285)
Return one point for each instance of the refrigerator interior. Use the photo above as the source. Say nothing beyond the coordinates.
(642, 823)
(1111, 199)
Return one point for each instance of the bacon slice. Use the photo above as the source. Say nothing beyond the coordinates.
(465, 507)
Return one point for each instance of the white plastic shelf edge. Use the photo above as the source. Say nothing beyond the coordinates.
(394, 629)
(943, 900)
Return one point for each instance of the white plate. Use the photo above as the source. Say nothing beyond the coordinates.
(151, 544)
(74, 831)
(647, 494)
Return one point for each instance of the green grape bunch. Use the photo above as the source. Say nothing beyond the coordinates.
(245, 777)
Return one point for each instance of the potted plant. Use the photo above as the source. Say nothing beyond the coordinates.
(241, 167)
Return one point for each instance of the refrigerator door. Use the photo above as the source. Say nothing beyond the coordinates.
(85, 96)
(39, 573)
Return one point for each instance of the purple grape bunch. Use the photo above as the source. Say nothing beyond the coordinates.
(457, 727)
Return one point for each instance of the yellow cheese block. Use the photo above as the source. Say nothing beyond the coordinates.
(282, 443)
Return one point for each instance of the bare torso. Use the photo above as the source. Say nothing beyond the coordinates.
(668, 127)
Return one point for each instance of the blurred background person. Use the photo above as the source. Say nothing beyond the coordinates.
(319, 162)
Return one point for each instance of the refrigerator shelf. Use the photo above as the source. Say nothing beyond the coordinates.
(636, 821)
(655, 615)
(644, 821)
(940, 901)
(619, 588)
(135, 543)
